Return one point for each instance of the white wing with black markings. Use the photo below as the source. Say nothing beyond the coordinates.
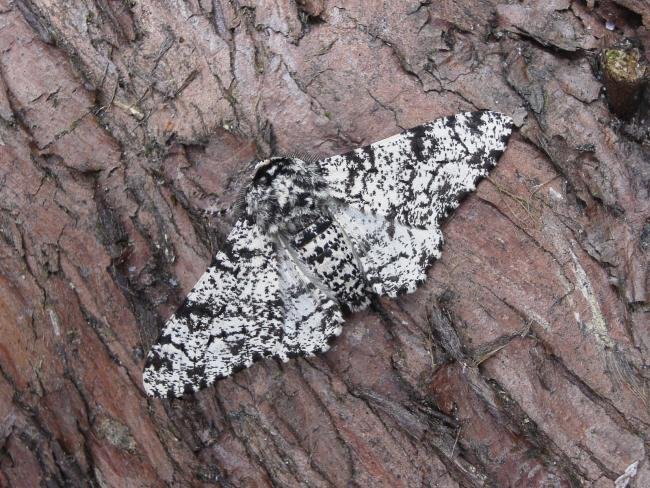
(252, 302)
(395, 193)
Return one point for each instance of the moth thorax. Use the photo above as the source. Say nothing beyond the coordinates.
(286, 195)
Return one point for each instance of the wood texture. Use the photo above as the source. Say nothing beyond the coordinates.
(524, 360)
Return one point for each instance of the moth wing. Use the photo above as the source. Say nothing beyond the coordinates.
(250, 303)
(394, 256)
(418, 176)
(312, 316)
(394, 194)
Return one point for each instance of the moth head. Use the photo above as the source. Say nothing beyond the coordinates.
(286, 193)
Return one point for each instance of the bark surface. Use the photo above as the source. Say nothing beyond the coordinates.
(523, 361)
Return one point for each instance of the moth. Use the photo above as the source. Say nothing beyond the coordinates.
(315, 239)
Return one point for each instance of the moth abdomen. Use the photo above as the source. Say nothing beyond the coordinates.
(307, 234)
(327, 254)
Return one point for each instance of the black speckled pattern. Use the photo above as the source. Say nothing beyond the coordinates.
(318, 237)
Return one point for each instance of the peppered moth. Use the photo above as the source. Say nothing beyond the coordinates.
(316, 238)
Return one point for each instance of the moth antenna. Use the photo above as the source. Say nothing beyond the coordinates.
(212, 212)
(239, 204)
(304, 156)
(235, 208)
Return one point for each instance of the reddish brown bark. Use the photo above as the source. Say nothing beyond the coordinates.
(524, 359)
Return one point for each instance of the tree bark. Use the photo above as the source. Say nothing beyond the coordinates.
(524, 359)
